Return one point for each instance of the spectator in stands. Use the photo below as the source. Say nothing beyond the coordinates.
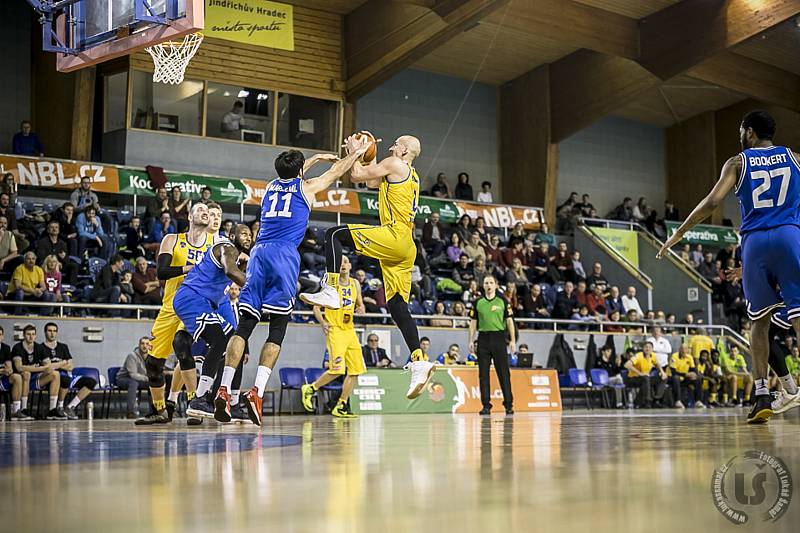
(227, 228)
(233, 122)
(367, 294)
(580, 292)
(614, 302)
(205, 196)
(65, 215)
(585, 207)
(534, 304)
(597, 278)
(686, 253)
(61, 361)
(671, 212)
(708, 270)
(793, 363)
(562, 262)
(8, 247)
(31, 358)
(310, 256)
(455, 250)
(26, 142)
(494, 254)
(425, 346)
(439, 310)
(577, 265)
(633, 317)
(134, 239)
(106, 287)
(156, 205)
(539, 266)
(684, 378)
(374, 355)
(565, 220)
(179, 208)
(440, 188)
(612, 364)
(451, 357)
(726, 254)
(571, 202)
(544, 235)
(735, 306)
(147, 288)
(641, 211)
(9, 186)
(595, 299)
(472, 294)
(517, 233)
(434, 235)
(631, 303)
(91, 234)
(463, 188)
(479, 270)
(160, 228)
(661, 347)
(463, 273)
(697, 255)
(464, 227)
(7, 210)
(651, 385)
(623, 211)
(515, 250)
(126, 285)
(516, 275)
(16, 383)
(459, 310)
(485, 195)
(53, 245)
(53, 278)
(584, 316)
(511, 295)
(566, 302)
(133, 375)
(84, 196)
(474, 249)
(480, 227)
(614, 316)
(27, 284)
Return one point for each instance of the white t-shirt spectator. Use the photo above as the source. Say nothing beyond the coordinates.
(232, 123)
(485, 197)
(662, 348)
(632, 303)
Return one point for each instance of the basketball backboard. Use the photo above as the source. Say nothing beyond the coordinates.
(86, 32)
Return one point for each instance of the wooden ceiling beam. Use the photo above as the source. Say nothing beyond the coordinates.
(382, 38)
(685, 34)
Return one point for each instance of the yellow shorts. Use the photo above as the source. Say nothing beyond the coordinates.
(344, 352)
(393, 246)
(166, 325)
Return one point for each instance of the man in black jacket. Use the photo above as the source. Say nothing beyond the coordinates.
(375, 356)
(52, 244)
(106, 287)
(566, 302)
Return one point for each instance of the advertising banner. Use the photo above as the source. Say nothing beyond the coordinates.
(624, 241)
(44, 173)
(256, 22)
(453, 389)
(714, 236)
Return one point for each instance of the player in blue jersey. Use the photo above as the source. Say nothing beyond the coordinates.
(766, 181)
(274, 268)
(199, 302)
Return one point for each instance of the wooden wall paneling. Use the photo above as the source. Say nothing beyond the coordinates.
(83, 114)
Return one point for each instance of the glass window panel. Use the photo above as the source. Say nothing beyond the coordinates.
(164, 107)
(305, 122)
(116, 94)
(240, 113)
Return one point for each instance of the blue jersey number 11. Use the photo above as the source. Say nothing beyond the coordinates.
(273, 204)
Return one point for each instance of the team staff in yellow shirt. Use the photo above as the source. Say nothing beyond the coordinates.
(684, 376)
(640, 375)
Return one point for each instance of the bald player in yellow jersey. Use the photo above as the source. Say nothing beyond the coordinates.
(391, 243)
(176, 257)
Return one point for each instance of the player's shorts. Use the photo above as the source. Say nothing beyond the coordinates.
(271, 285)
(5, 384)
(196, 312)
(771, 271)
(344, 352)
(781, 318)
(68, 381)
(393, 246)
(166, 325)
(228, 314)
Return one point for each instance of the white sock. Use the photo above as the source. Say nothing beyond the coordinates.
(762, 387)
(16, 406)
(788, 383)
(204, 385)
(53, 402)
(73, 403)
(60, 404)
(261, 379)
(24, 401)
(235, 397)
(173, 396)
(227, 377)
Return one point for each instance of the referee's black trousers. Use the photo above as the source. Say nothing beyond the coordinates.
(492, 347)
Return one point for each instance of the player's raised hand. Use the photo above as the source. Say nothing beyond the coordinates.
(328, 157)
(672, 241)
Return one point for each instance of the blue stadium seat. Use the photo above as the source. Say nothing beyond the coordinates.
(429, 306)
(93, 373)
(600, 384)
(292, 378)
(96, 264)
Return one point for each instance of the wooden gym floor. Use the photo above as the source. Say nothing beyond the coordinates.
(613, 471)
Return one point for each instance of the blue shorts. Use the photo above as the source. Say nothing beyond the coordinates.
(196, 312)
(781, 318)
(271, 286)
(227, 312)
(5, 385)
(771, 271)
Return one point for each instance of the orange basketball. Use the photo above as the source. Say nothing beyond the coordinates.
(372, 149)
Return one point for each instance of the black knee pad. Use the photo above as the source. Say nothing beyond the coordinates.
(155, 371)
(277, 328)
(247, 324)
(182, 344)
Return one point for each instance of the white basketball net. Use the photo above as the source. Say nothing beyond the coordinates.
(171, 58)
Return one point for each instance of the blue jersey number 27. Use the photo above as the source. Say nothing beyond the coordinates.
(784, 173)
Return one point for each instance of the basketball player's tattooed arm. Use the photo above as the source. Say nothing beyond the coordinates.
(372, 173)
(727, 181)
(312, 186)
(164, 270)
(316, 158)
(230, 258)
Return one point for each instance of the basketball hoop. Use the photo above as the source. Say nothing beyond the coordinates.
(172, 57)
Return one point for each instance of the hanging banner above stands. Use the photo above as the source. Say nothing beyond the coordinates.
(255, 22)
(625, 242)
(714, 236)
(61, 174)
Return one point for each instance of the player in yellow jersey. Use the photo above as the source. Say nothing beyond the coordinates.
(344, 350)
(176, 257)
(391, 243)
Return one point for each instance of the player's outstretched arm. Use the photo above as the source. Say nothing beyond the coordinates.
(316, 158)
(314, 185)
(727, 181)
(230, 258)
